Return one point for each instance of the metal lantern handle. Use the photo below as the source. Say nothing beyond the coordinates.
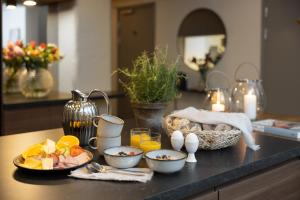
(216, 72)
(246, 64)
(105, 98)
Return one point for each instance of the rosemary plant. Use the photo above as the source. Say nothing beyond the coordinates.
(152, 79)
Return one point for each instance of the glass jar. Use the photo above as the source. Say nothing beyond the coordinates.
(36, 83)
(217, 92)
(217, 99)
(11, 77)
(248, 95)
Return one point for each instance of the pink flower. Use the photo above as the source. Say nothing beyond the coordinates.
(10, 45)
(10, 54)
(6, 57)
(19, 43)
(18, 51)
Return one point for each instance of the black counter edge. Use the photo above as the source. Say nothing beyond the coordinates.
(201, 186)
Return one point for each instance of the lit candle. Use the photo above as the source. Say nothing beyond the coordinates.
(218, 107)
(250, 102)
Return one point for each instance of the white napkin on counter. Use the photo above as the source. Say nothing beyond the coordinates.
(83, 173)
(238, 120)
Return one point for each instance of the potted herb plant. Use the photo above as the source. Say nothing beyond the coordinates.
(150, 85)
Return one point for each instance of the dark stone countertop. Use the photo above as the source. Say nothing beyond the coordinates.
(213, 169)
(14, 101)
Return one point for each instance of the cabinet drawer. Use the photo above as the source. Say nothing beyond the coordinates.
(209, 195)
(282, 183)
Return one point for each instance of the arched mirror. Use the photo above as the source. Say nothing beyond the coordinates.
(202, 40)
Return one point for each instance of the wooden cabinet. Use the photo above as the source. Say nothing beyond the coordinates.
(25, 115)
(32, 119)
(282, 183)
(210, 195)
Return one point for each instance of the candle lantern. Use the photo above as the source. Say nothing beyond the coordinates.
(248, 95)
(217, 92)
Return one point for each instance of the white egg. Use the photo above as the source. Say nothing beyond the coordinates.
(191, 138)
(177, 140)
(191, 146)
(177, 135)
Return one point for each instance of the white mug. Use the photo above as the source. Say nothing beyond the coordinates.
(108, 125)
(105, 143)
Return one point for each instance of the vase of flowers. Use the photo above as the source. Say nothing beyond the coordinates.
(38, 81)
(13, 58)
(150, 85)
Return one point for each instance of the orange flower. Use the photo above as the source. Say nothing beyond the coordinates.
(43, 46)
(32, 44)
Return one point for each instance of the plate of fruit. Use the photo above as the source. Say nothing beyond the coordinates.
(63, 155)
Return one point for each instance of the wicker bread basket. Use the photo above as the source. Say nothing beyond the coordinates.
(210, 137)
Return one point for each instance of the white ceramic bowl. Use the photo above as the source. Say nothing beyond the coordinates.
(113, 159)
(165, 166)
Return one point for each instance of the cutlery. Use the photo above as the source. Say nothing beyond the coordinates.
(95, 168)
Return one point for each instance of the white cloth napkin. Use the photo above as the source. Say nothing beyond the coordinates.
(83, 173)
(238, 120)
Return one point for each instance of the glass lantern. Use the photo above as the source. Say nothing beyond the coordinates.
(217, 100)
(248, 96)
(217, 92)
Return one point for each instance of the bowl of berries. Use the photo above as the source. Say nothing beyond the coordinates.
(123, 156)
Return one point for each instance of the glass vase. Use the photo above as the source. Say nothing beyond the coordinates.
(11, 77)
(36, 83)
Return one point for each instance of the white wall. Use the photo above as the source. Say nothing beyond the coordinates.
(94, 45)
(29, 20)
(242, 19)
(67, 41)
(83, 34)
(13, 19)
(36, 27)
(52, 37)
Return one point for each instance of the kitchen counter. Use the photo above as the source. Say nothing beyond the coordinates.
(213, 170)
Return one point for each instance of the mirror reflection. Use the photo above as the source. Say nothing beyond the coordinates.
(24, 23)
(202, 40)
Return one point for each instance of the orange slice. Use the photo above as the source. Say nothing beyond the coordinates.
(33, 163)
(33, 150)
(67, 141)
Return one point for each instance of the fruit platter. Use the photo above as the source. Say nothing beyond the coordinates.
(63, 155)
